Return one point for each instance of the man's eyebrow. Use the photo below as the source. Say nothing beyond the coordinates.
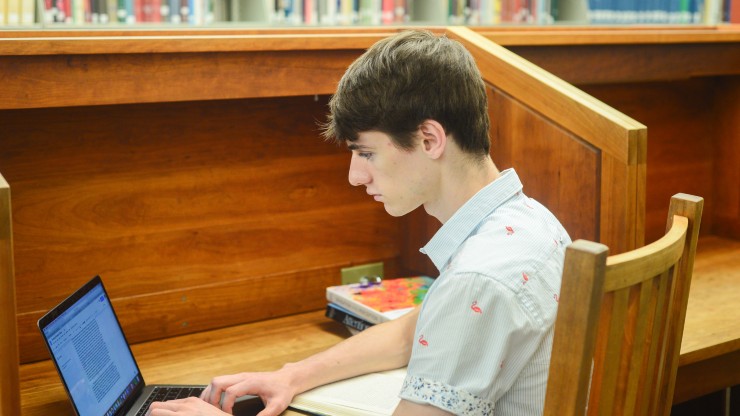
(355, 146)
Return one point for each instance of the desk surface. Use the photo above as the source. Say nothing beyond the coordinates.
(710, 348)
(710, 351)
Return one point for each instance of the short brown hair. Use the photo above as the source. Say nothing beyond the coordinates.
(408, 78)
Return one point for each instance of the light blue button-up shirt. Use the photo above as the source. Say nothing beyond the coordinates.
(484, 333)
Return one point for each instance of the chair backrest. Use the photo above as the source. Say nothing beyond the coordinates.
(10, 403)
(620, 322)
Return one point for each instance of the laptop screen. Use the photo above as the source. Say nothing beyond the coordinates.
(90, 351)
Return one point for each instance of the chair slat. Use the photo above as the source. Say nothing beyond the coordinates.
(614, 350)
(581, 302)
(643, 319)
(650, 291)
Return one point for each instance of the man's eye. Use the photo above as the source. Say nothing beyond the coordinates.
(365, 155)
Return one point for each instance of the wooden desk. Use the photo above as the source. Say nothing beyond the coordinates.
(710, 351)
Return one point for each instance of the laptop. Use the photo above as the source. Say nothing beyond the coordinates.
(94, 360)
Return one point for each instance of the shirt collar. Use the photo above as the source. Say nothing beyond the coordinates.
(467, 218)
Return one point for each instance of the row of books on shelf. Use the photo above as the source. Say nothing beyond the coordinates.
(663, 11)
(25, 12)
(359, 306)
(366, 12)
(291, 12)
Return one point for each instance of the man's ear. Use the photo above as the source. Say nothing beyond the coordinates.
(433, 138)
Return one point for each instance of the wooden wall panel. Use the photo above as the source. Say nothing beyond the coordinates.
(556, 168)
(727, 160)
(177, 204)
(681, 124)
(631, 62)
(10, 403)
(89, 79)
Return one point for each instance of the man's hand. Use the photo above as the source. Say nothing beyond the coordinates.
(273, 388)
(191, 406)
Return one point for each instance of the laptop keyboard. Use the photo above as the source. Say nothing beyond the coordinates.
(164, 393)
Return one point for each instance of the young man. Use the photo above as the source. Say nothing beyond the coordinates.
(413, 111)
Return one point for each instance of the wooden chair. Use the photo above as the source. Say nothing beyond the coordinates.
(10, 403)
(620, 322)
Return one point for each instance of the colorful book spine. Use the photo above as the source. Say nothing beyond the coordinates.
(734, 12)
(13, 12)
(28, 12)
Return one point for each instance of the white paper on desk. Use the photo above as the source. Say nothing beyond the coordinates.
(370, 394)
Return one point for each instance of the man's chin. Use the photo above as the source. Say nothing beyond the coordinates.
(396, 211)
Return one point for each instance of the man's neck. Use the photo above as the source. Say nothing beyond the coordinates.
(458, 183)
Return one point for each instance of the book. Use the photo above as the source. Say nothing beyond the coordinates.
(380, 302)
(343, 316)
(374, 394)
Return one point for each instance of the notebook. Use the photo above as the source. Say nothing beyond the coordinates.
(94, 360)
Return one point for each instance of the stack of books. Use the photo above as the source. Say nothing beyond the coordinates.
(361, 305)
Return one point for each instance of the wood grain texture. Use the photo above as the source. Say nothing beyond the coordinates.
(727, 159)
(620, 139)
(108, 78)
(554, 165)
(9, 394)
(585, 257)
(577, 112)
(590, 63)
(174, 204)
(681, 146)
(712, 326)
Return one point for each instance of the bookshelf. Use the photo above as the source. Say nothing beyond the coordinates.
(345, 13)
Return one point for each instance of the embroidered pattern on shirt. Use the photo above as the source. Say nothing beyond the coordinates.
(446, 397)
(475, 307)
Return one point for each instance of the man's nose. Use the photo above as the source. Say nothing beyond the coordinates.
(357, 175)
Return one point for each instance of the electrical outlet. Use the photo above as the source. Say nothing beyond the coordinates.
(355, 273)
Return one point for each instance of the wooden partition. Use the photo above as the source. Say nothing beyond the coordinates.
(10, 403)
(577, 155)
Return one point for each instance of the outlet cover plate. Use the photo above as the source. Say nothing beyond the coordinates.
(355, 273)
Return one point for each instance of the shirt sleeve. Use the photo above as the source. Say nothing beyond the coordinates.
(473, 337)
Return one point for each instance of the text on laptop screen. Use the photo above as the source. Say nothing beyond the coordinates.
(92, 355)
